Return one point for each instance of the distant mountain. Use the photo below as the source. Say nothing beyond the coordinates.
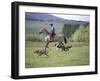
(45, 17)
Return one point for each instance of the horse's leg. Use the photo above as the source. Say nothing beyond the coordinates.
(46, 46)
(46, 54)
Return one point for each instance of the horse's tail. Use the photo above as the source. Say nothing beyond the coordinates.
(65, 40)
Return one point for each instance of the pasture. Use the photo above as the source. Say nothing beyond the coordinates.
(78, 55)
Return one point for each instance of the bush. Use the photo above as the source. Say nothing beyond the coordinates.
(81, 34)
(69, 29)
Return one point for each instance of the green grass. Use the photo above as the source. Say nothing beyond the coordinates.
(76, 56)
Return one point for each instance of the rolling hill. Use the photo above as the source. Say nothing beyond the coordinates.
(45, 17)
(34, 22)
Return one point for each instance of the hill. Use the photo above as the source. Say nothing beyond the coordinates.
(34, 22)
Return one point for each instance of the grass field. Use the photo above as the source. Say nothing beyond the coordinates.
(78, 55)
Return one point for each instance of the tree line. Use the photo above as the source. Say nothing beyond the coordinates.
(76, 33)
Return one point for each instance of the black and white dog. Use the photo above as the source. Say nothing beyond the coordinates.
(64, 47)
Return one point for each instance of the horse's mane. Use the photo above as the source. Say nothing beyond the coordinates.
(46, 30)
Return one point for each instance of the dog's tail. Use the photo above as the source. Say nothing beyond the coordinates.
(65, 40)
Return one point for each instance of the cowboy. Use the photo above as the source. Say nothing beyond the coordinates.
(52, 31)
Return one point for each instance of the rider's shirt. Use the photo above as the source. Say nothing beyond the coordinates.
(52, 29)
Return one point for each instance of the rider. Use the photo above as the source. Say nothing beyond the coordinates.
(52, 31)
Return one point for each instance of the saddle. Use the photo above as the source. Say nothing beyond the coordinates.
(52, 36)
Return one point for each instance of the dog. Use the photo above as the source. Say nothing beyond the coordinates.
(64, 47)
(41, 52)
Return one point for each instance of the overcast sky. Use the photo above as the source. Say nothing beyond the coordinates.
(74, 17)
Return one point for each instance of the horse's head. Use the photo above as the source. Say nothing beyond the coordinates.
(40, 31)
(43, 30)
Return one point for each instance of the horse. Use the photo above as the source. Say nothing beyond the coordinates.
(56, 38)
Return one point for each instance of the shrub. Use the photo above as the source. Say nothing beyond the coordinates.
(81, 34)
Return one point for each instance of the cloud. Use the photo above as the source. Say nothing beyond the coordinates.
(73, 17)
